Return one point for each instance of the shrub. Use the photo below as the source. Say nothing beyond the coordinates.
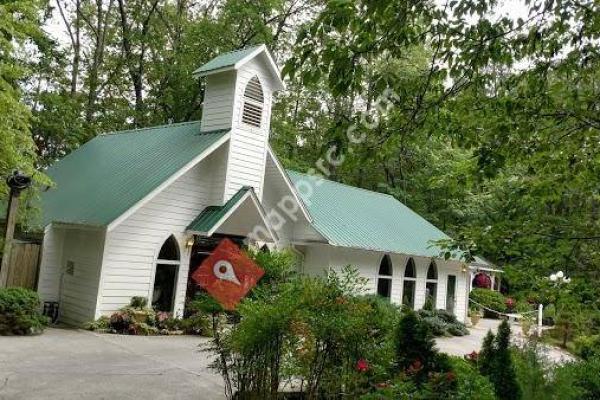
(442, 323)
(315, 329)
(489, 299)
(20, 312)
(578, 380)
(587, 347)
(495, 362)
(416, 354)
(470, 384)
(533, 372)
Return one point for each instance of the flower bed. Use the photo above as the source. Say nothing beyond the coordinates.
(137, 319)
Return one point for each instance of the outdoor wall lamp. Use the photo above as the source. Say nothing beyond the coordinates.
(190, 242)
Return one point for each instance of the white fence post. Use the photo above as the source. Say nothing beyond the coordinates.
(540, 316)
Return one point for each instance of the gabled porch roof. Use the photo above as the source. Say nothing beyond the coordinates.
(238, 216)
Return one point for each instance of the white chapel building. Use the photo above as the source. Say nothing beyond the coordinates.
(133, 213)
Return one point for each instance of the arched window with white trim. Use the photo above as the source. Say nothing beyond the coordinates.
(409, 284)
(165, 276)
(431, 286)
(254, 101)
(384, 277)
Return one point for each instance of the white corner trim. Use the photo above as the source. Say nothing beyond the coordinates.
(168, 181)
(288, 182)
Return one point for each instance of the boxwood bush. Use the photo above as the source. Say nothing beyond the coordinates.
(20, 312)
(490, 299)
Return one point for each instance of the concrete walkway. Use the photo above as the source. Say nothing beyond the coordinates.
(73, 364)
(461, 345)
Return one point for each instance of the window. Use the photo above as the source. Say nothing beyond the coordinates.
(451, 294)
(431, 287)
(165, 277)
(409, 285)
(384, 280)
(253, 103)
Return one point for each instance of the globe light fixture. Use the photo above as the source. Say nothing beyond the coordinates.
(553, 277)
(560, 275)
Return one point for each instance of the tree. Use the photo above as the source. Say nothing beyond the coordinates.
(416, 354)
(495, 362)
(486, 355)
(20, 23)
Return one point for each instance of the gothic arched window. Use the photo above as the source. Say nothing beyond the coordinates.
(384, 278)
(409, 285)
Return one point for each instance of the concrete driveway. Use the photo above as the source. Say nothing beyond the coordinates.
(73, 364)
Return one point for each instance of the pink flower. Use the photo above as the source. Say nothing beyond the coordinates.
(362, 365)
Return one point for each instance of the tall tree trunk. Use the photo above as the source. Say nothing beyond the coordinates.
(135, 63)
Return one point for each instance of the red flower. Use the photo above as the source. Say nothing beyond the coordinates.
(450, 376)
(472, 356)
(362, 365)
(415, 367)
(510, 303)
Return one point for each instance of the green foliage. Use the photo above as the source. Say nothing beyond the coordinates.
(20, 312)
(415, 349)
(203, 303)
(587, 347)
(533, 372)
(442, 323)
(578, 380)
(138, 302)
(471, 385)
(489, 298)
(314, 328)
(495, 362)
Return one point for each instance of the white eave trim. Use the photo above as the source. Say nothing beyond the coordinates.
(225, 217)
(168, 181)
(280, 85)
(288, 182)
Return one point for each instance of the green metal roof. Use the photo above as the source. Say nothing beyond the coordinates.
(105, 177)
(353, 217)
(207, 219)
(225, 60)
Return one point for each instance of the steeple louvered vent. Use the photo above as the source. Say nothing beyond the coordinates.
(253, 103)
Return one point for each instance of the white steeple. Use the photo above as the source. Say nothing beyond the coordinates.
(238, 95)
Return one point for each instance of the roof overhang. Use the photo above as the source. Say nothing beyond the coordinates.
(262, 49)
(242, 215)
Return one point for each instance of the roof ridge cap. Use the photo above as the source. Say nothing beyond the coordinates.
(149, 128)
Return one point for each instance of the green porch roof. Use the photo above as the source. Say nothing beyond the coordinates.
(207, 219)
(353, 217)
(105, 177)
(225, 60)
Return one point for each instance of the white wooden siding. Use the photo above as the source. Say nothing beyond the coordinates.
(50, 264)
(79, 290)
(317, 258)
(217, 110)
(133, 245)
(248, 145)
